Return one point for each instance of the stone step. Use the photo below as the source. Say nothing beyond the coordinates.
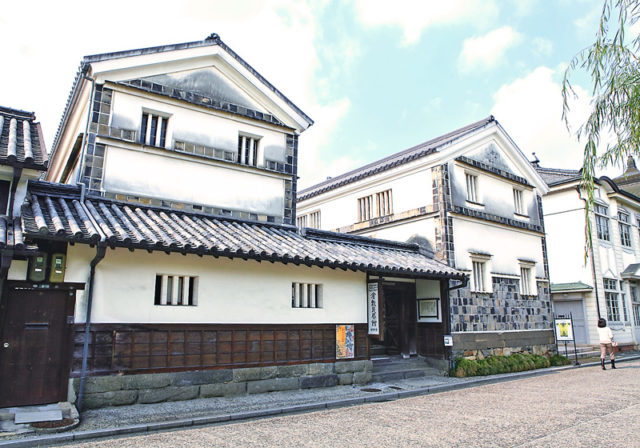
(393, 375)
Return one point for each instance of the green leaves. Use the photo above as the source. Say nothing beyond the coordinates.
(614, 68)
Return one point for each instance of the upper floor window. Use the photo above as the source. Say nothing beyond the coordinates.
(384, 203)
(309, 220)
(248, 147)
(472, 187)
(602, 222)
(306, 295)
(479, 275)
(611, 299)
(527, 278)
(625, 228)
(518, 203)
(153, 131)
(365, 208)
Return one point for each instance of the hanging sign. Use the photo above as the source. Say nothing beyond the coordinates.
(373, 309)
(564, 330)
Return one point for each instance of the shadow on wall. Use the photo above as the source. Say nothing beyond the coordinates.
(425, 245)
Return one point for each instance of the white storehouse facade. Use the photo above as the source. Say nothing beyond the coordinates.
(166, 250)
(471, 198)
(602, 281)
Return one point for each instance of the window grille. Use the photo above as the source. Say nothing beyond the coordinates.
(472, 187)
(525, 281)
(301, 221)
(248, 150)
(602, 222)
(175, 290)
(153, 131)
(479, 276)
(306, 295)
(365, 208)
(314, 219)
(384, 202)
(517, 201)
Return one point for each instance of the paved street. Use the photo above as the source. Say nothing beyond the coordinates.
(582, 407)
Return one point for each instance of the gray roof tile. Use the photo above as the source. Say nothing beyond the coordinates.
(21, 142)
(55, 211)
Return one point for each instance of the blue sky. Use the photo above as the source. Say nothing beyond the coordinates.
(376, 76)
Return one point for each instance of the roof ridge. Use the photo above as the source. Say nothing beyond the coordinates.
(429, 145)
(18, 112)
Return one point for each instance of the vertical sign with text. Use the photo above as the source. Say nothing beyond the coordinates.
(373, 309)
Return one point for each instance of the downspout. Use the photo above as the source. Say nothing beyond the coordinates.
(86, 129)
(6, 256)
(100, 253)
(593, 264)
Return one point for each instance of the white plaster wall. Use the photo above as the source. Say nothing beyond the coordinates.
(402, 231)
(189, 181)
(409, 191)
(229, 291)
(565, 226)
(506, 246)
(195, 125)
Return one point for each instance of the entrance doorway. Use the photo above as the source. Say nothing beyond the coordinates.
(576, 309)
(399, 324)
(35, 349)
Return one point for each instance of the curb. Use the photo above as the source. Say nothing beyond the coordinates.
(247, 415)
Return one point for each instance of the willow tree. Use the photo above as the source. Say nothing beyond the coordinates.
(612, 130)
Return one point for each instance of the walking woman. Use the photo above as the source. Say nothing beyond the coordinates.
(606, 342)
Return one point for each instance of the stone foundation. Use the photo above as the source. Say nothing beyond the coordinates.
(482, 345)
(118, 390)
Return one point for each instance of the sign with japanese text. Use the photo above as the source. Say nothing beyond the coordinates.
(373, 309)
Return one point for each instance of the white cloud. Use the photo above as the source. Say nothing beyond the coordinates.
(414, 16)
(530, 110)
(277, 37)
(488, 51)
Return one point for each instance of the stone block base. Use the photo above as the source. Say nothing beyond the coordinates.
(117, 390)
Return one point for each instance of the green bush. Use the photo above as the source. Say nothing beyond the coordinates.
(559, 360)
(518, 362)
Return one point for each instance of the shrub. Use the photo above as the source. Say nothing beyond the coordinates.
(518, 362)
(559, 360)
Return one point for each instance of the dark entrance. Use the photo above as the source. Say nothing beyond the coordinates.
(399, 318)
(35, 350)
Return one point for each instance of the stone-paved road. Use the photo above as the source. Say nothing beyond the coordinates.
(583, 407)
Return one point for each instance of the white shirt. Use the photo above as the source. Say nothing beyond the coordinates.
(606, 335)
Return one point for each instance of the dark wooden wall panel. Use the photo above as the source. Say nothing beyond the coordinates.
(140, 348)
(431, 340)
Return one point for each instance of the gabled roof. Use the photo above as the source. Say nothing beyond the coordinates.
(557, 176)
(211, 40)
(630, 179)
(21, 142)
(56, 211)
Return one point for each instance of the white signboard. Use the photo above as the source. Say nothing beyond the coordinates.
(564, 330)
(448, 340)
(373, 311)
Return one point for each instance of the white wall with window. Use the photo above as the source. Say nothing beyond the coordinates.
(344, 207)
(227, 291)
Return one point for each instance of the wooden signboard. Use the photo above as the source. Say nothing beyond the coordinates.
(373, 309)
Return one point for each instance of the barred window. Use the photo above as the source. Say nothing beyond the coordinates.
(472, 187)
(525, 281)
(311, 220)
(306, 295)
(248, 148)
(611, 299)
(602, 222)
(365, 208)
(517, 201)
(625, 228)
(301, 221)
(153, 131)
(175, 290)
(479, 283)
(385, 203)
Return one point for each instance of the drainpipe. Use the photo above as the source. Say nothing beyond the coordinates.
(100, 253)
(593, 264)
(86, 129)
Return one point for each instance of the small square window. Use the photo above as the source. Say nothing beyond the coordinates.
(176, 290)
(306, 295)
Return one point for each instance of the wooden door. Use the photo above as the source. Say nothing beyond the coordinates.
(400, 318)
(35, 347)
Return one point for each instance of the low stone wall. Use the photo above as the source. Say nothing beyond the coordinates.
(118, 390)
(481, 345)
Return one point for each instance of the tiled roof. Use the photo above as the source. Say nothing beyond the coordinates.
(211, 40)
(391, 161)
(11, 233)
(56, 211)
(21, 142)
(573, 286)
(557, 176)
